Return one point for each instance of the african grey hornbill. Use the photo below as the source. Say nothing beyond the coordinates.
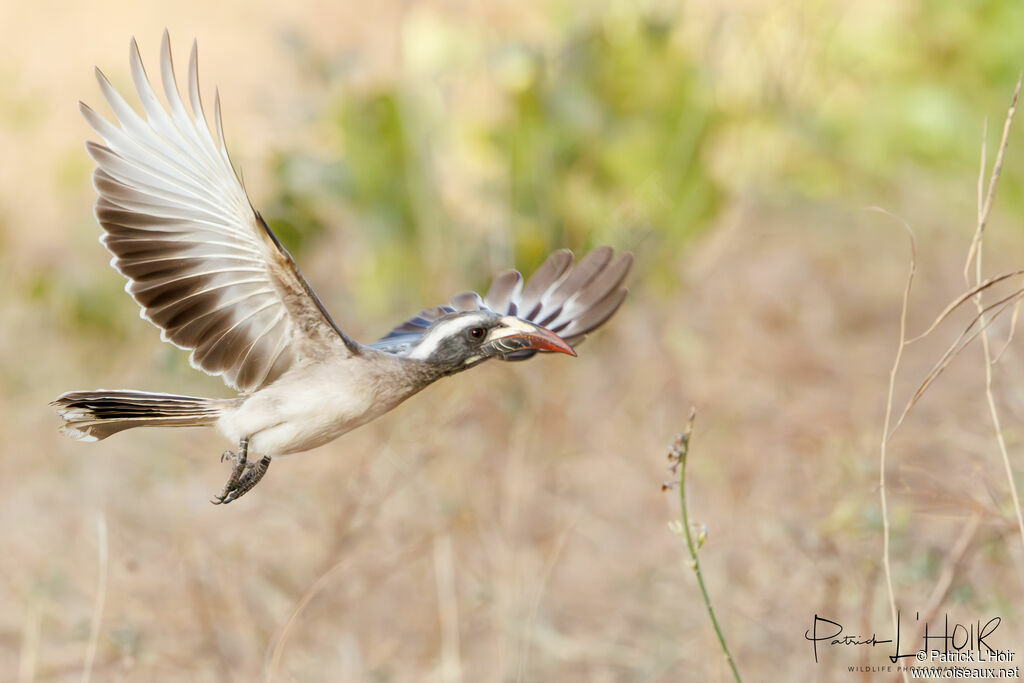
(206, 269)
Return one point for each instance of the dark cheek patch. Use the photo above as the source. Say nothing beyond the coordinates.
(449, 351)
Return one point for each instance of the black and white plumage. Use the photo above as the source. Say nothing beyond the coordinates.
(570, 301)
(206, 269)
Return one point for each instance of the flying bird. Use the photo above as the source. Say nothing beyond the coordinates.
(206, 269)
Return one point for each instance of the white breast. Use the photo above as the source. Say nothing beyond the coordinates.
(314, 404)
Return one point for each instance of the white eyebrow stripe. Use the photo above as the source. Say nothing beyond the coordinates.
(445, 329)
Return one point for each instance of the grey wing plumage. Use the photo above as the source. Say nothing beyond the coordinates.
(568, 300)
(200, 261)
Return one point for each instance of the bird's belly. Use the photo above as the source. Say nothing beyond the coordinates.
(295, 437)
(290, 417)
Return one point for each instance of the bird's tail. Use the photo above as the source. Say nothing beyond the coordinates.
(95, 415)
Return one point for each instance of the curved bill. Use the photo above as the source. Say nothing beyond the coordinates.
(515, 334)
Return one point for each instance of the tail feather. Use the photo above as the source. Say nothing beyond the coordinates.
(95, 415)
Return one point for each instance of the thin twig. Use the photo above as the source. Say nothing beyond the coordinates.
(207, 616)
(948, 573)
(447, 608)
(976, 251)
(272, 663)
(549, 568)
(962, 299)
(954, 350)
(883, 448)
(997, 169)
(271, 668)
(347, 539)
(1009, 337)
(950, 566)
(680, 449)
(29, 654)
(101, 597)
(976, 239)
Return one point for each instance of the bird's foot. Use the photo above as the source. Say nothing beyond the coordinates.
(244, 475)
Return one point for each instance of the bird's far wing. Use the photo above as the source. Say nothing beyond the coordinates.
(406, 334)
(568, 300)
(200, 261)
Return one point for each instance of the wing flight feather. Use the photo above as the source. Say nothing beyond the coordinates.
(200, 261)
(568, 300)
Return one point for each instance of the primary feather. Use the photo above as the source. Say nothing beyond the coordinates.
(199, 259)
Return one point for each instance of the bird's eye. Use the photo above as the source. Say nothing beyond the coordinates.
(477, 333)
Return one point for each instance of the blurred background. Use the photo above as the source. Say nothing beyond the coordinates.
(509, 525)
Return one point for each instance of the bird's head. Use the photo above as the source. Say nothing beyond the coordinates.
(461, 340)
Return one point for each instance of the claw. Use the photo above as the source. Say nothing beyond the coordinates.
(244, 475)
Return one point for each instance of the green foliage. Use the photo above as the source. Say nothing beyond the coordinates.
(633, 126)
(607, 136)
(601, 138)
(95, 306)
(290, 214)
(383, 167)
(889, 91)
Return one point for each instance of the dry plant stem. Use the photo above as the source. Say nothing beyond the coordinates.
(209, 623)
(886, 564)
(348, 538)
(101, 596)
(966, 296)
(402, 559)
(29, 644)
(975, 253)
(1009, 337)
(984, 208)
(949, 568)
(272, 667)
(958, 345)
(448, 609)
(679, 452)
(549, 568)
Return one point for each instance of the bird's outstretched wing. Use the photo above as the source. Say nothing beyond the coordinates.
(568, 300)
(200, 261)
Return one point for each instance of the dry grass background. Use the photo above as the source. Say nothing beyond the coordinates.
(507, 524)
